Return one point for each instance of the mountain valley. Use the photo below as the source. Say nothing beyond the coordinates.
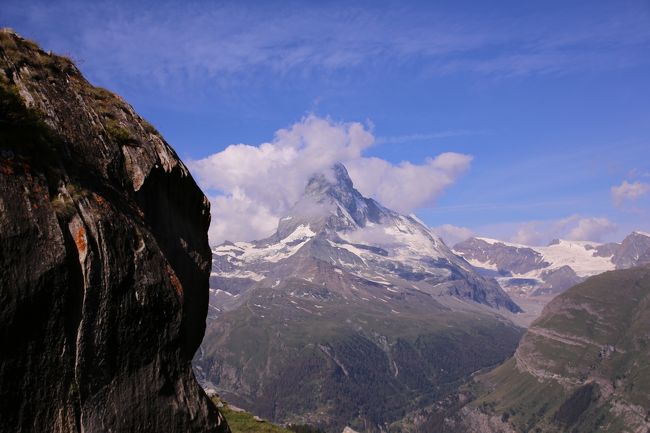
(346, 304)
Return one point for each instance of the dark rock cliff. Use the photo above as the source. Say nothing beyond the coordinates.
(104, 260)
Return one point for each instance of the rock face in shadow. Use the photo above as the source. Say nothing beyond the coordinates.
(104, 260)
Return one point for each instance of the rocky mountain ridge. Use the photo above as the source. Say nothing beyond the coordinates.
(360, 239)
(532, 271)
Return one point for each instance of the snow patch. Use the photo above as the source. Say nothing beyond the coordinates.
(219, 291)
(480, 264)
(239, 274)
(498, 242)
(576, 255)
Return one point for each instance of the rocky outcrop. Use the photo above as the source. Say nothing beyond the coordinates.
(633, 251)
(104, 260)
(502, 257)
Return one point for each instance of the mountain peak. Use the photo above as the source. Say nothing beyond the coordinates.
(330, 202)
(335, 178)
(334, 183)
(333, 225)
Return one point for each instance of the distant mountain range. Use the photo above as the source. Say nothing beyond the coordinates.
(529, 270)
(348, 302)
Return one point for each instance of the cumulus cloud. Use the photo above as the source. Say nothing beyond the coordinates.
(591, 229)
(573, 227)
(452, 234)
(407, 186)
(629, 191)
(252, 186)
(237, 217)
(528, 234)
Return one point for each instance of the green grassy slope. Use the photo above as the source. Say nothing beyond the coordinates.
(348, 365)
(243, 422)
(584, 365)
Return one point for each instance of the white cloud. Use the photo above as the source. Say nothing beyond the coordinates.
(528, 234)
(237, 217)
(406, 186)
(541, 232)
(629, 191)
(591, 229)
(252, 186)
(452, 234)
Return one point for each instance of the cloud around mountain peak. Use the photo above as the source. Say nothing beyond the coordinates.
(250, 186)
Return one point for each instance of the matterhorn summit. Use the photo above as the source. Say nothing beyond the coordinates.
(336, 240)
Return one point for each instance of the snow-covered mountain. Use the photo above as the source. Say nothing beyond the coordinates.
(633, 251)
(346, 303)
(335, 238)
(532, 270)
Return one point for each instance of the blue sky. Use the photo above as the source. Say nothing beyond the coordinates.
(549, 101)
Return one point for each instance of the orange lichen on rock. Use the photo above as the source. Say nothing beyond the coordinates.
(174, 280)
(101, 201)
(80, 240)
